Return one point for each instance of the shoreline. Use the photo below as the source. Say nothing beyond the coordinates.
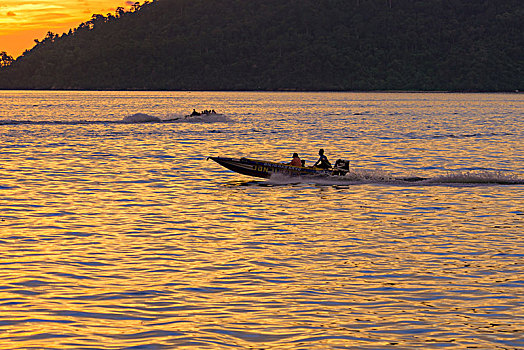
(516, 92)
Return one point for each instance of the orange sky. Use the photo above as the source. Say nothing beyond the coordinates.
(22, 21)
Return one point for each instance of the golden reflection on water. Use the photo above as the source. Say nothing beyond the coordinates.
(118, 235)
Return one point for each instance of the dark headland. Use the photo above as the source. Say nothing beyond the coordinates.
(296, 45)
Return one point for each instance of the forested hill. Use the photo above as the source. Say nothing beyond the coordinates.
(453, 45)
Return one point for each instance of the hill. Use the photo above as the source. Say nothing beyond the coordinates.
(453, 45)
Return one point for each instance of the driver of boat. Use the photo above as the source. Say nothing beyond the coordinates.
(322, 162)
(194, 113)
(296, 160)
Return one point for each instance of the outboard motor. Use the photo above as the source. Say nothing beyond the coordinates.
(341, 167)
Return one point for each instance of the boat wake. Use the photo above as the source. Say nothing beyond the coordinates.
(137, 118)
(478, 178)
(356, 177)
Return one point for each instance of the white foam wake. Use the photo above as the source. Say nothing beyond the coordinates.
(137, 118)
(141, 118)
(363, 176)
(478, 177)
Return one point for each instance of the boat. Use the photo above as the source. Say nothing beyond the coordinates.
(265, 169)
(205, 116)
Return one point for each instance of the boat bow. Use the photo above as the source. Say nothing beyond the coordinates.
(265, 169)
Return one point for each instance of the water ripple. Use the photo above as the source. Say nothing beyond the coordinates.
(122, 236)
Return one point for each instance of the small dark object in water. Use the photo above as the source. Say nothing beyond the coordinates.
(413, 179)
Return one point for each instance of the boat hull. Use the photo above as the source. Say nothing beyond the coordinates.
(265, 169)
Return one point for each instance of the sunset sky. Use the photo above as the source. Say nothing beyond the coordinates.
(22, 21)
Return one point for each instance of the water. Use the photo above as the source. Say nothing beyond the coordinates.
(119, 235)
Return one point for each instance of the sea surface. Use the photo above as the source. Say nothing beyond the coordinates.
(121, 235)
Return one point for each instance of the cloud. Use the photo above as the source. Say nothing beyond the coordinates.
(11, 14)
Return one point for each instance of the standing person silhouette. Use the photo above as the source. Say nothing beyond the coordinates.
(322, 162)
